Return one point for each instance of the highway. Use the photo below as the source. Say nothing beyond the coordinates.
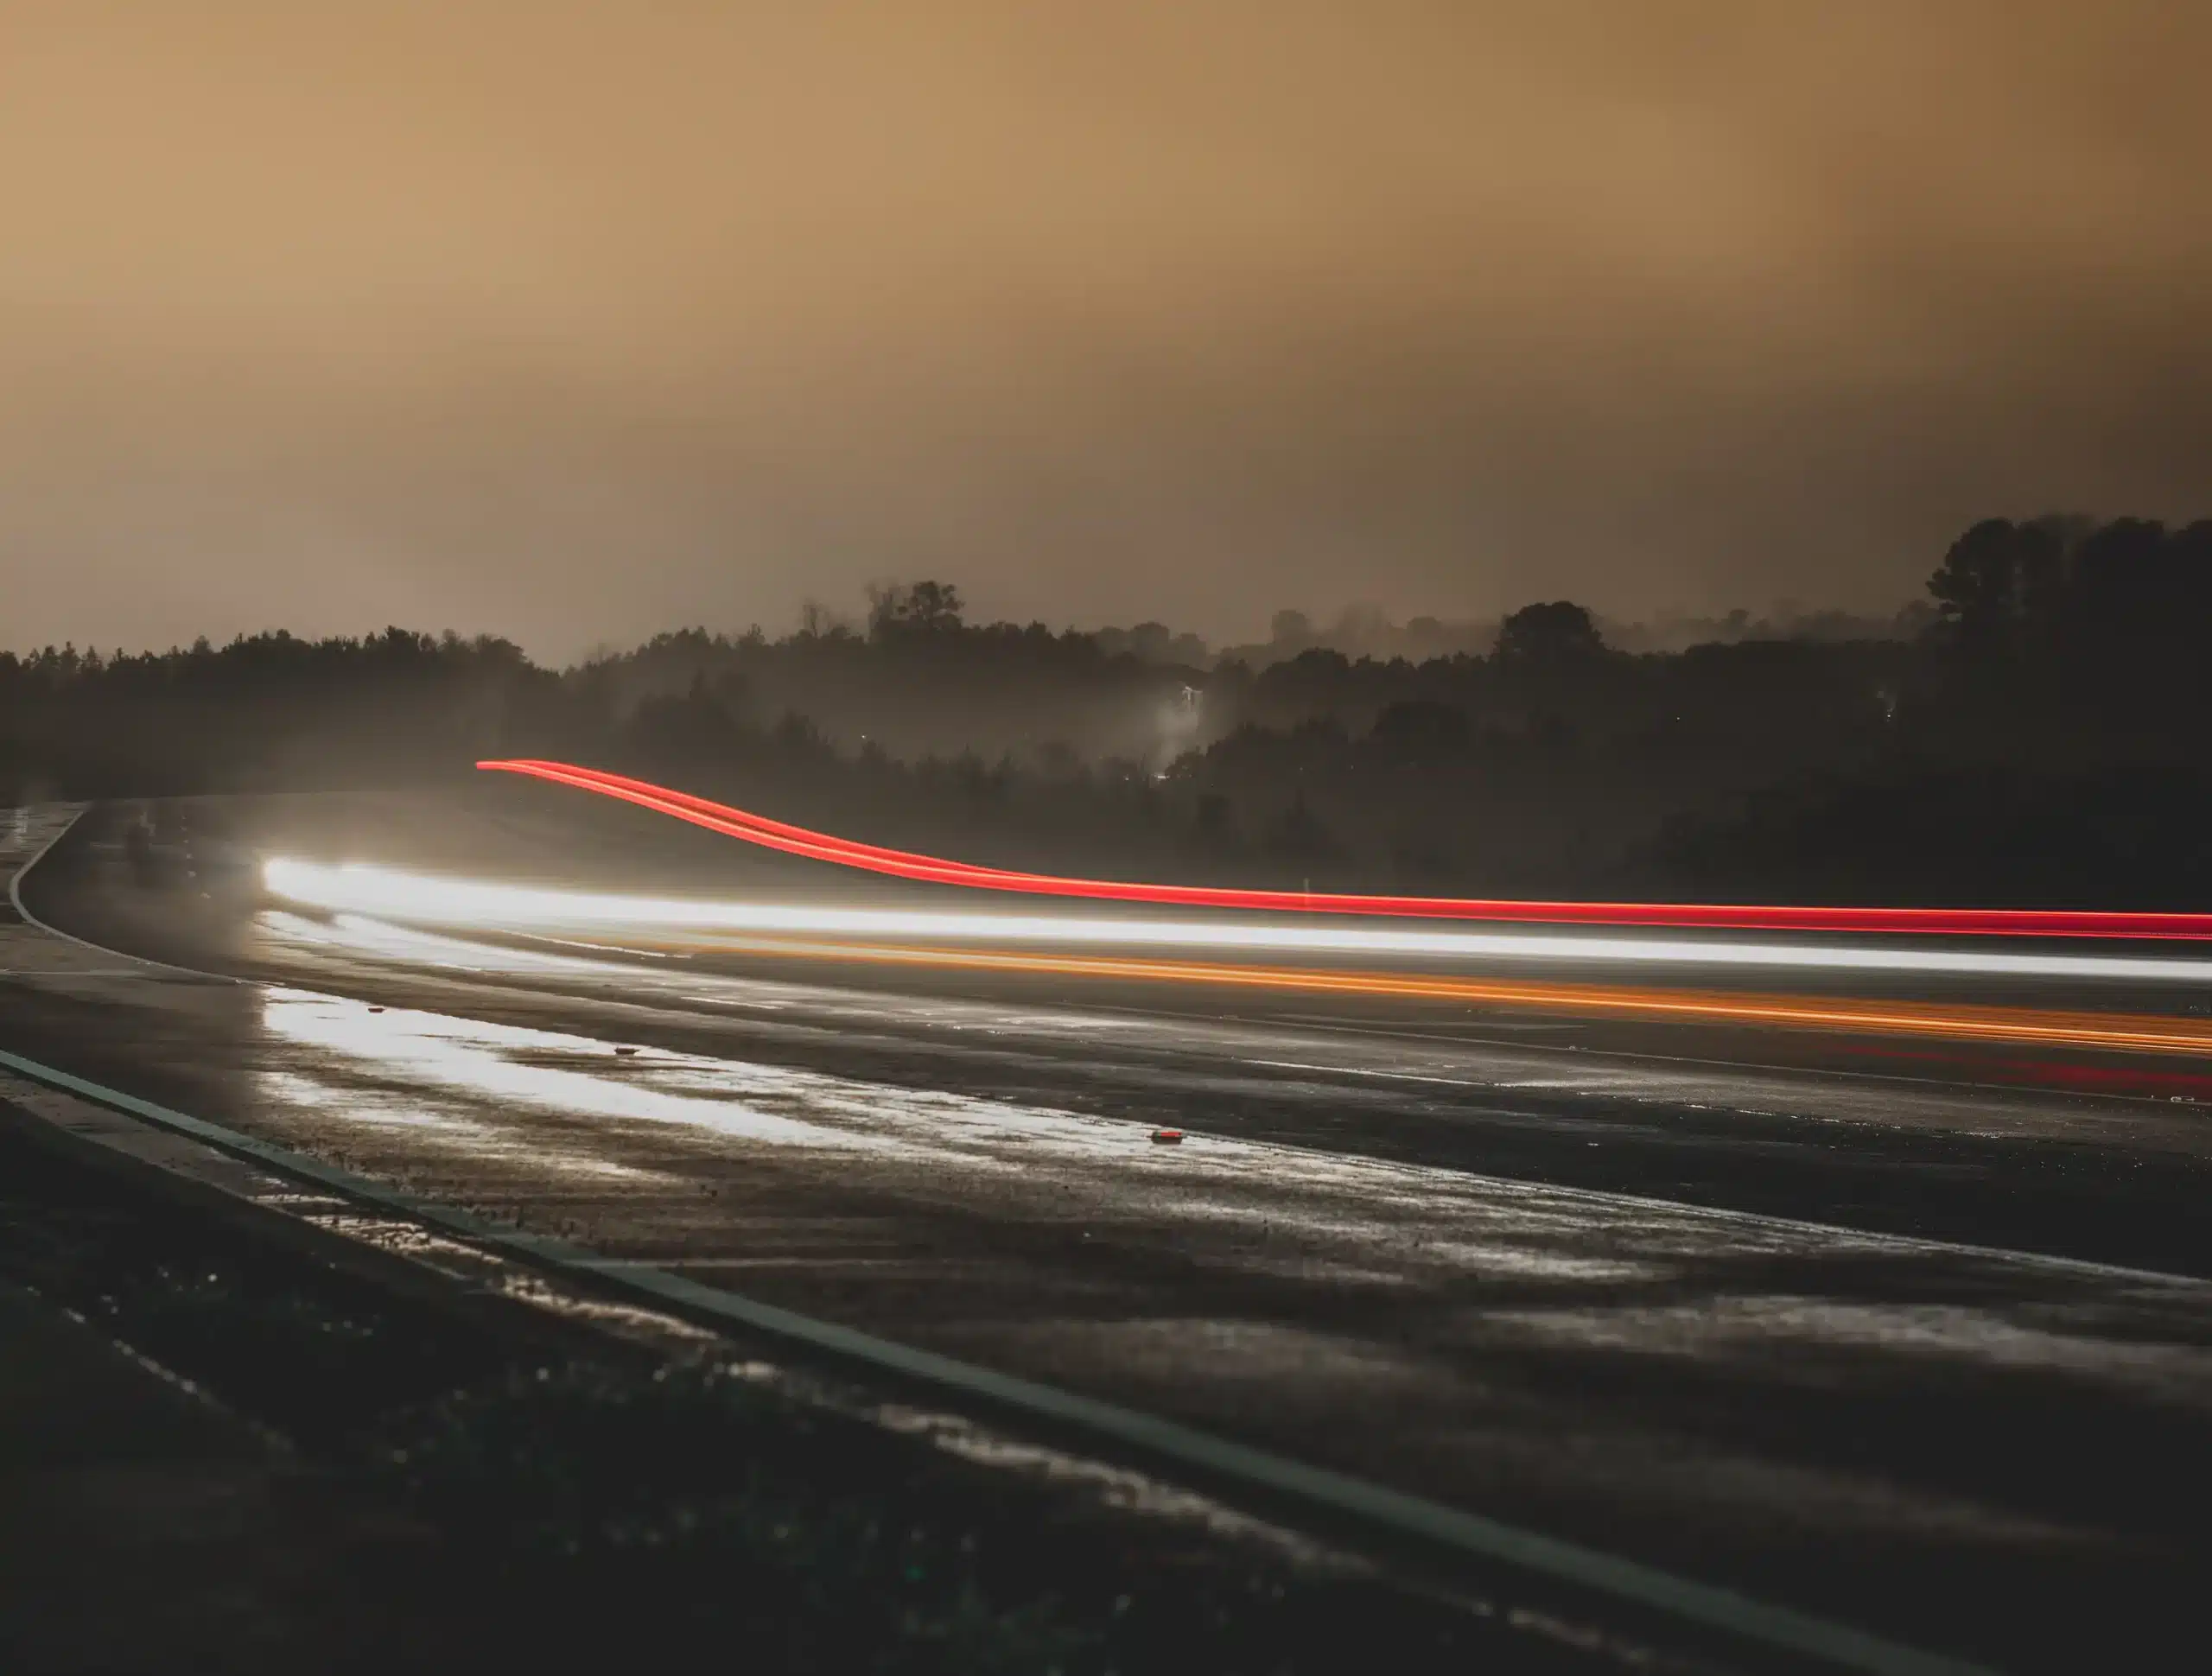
(1908, 1328)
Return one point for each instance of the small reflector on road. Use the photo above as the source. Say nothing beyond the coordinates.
(1167, 1137)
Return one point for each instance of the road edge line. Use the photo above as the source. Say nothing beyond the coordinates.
(23, 913)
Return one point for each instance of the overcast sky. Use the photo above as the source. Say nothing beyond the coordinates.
(574, 321)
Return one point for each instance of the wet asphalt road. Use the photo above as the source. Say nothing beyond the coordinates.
(1918, 1337)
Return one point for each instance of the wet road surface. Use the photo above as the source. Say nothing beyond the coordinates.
(1920, 1344)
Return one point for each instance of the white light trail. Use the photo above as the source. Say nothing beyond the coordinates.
(389, 894)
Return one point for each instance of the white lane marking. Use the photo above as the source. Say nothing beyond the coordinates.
(1391, 1075)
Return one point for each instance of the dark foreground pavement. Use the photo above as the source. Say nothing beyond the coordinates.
(142, 1529)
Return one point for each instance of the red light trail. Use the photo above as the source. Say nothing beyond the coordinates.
(928, 869)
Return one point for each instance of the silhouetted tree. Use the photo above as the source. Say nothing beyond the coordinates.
(907, 608)
(1999, 583)
(1557, 632)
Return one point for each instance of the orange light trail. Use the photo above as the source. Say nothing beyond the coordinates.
(2102, 1031)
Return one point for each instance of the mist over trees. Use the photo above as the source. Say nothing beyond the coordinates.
(2034, 735)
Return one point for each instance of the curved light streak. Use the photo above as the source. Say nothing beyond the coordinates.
(928, 869)
(387, 894)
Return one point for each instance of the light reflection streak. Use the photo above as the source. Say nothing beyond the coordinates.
(388, 894)
(359, 934)
(1431, 1214)
(1752, 1325)
(507, 1065)
(1296, 1209)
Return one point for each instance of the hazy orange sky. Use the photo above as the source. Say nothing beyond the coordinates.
(574, 321)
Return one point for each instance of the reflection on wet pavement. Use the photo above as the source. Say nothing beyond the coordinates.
(530, 1068)
(1257, 1208)
(1208, 1055)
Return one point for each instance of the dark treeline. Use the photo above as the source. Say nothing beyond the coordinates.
(2039, 739)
